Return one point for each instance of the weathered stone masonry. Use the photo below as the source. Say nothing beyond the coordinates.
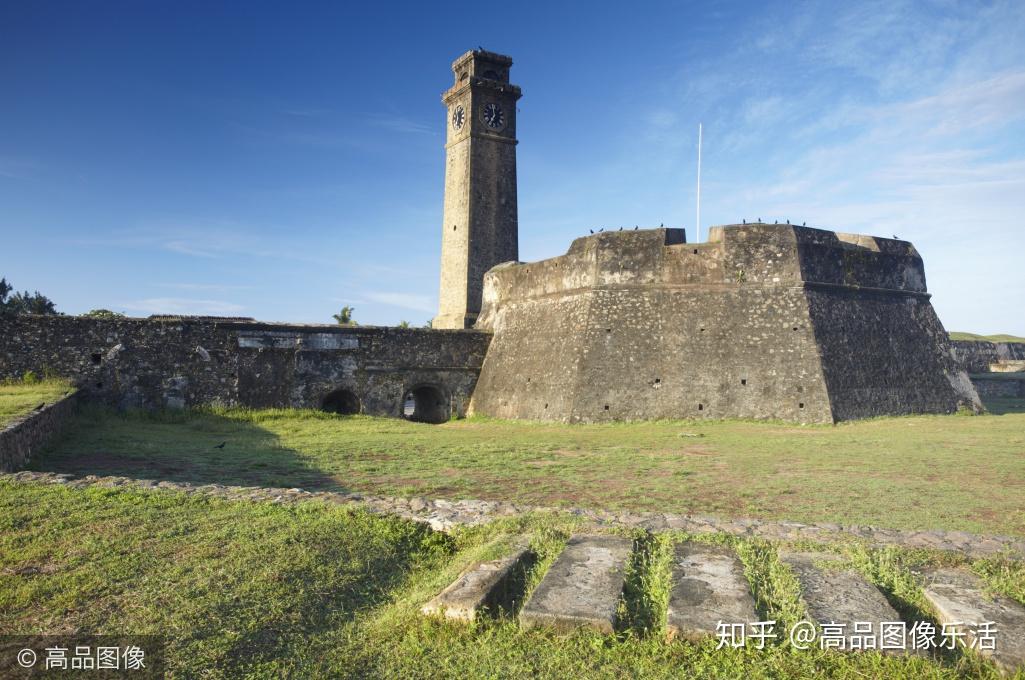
(763, 321)
(193, 361)
(22, 439)
(977, 356)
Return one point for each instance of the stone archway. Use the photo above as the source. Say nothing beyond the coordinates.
(343, 402)
(426, 403)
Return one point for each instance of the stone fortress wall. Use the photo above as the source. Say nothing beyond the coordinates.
(763, 321)
(176, 362)
(981, 356)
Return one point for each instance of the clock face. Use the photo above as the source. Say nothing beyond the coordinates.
(493, 116)
(458, 117)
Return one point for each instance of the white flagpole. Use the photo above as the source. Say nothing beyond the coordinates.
(697, 220)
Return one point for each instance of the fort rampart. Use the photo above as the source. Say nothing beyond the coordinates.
(176, 362)
(762, 321)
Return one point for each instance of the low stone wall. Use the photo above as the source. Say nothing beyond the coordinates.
(445, 515)
(999, 385)
(978, 356)
(193, 361)
(25, 436)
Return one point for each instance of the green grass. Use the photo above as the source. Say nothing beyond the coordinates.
(952, 472)
(1000, 337)
(267, 591)
(18, 398)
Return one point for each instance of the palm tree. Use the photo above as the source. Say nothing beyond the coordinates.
(344, 317)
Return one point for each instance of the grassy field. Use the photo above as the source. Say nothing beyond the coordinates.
(953, 472)
(20, 397)
(1000, 337)
(266, 591)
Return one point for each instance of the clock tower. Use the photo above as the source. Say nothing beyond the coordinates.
(479, 227)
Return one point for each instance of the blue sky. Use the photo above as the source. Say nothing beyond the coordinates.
(279, 160)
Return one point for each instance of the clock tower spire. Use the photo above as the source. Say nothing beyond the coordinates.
(479, 227)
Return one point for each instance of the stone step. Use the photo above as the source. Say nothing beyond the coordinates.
(582, 588)
(479, 587)
(842, 596)
(708, 586)
(960, 598)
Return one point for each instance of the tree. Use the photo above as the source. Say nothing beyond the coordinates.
(403, 324)
(429, 324)
(103, 314)
(25, 302)
(344, 317)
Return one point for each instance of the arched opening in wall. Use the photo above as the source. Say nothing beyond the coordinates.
(426, 404)
(342, 402)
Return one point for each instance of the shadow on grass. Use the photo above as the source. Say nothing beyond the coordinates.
(197, 447)
(237, 589)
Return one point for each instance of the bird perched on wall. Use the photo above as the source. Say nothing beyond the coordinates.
(635, 228)
(788, 221)
(602, 229)
(804, 224)
(743, 221)
(621, 228)
(759, 220)
(591, 230)
(896, 237)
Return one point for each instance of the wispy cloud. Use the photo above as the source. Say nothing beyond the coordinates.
(173, 305)
(312, 112)
(420, 303)
(186, 248)
(17, 168)
(402, 124)
(219, 287)
(206, 239)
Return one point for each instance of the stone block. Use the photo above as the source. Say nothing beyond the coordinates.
(708, 586)
(841, 596)
(960, 600)
(481, 586)
(582, 588)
